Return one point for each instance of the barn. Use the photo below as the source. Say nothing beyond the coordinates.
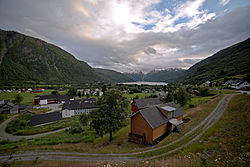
(139, 104)
(51, 99)
(151, 125)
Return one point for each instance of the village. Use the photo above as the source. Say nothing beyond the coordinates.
(153, 112)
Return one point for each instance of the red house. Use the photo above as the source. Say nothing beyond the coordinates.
(139, 104)
(51, 99)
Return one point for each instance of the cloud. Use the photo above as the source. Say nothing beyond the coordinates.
(128, 35)
(223, 2)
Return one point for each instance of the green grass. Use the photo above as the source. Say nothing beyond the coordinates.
(222, 91)
(227, 142)
(195, 101)
(4, 117)
(141, 95)
(13, 128)
(28, 98)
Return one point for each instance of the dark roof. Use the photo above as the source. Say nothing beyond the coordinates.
(178, 112)
(45, 118)
(80, 104)
(58, 97)
(153, 116)
(148, 102)
(6, 102)
(24, 107)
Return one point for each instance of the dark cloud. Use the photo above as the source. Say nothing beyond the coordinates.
(59, 23)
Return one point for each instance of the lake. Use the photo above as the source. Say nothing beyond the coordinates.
(143, 83)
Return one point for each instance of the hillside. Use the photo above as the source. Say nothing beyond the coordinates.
(112, 75)
(168, 75)
(135, 76)
(234, 60)
(25, 59)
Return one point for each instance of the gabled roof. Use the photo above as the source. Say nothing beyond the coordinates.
(80, 104)
(147, 102)
(45, 118)
(153, 116)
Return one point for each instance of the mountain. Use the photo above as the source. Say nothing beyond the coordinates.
(25, 59)
(112, 75)
(168, 75)
(135, 76)
(234, 60)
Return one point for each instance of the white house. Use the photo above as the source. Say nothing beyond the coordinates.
(240, 85)
(78, 107)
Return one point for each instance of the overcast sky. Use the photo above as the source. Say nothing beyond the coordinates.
(132, 35)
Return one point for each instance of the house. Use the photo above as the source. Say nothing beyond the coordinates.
(240, 85)
(7, 107)
(38, 90)
(151, 125)
(78, 107)
(235, 84)
(139, 104)
(51, 99)
(45, 118)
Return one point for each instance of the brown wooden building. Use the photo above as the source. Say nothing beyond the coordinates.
(152, 124)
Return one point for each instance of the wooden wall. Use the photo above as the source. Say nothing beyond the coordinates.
(140, 126)
(159, 131)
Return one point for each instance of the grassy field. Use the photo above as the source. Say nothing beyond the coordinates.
(15, 128)
(227, 143)
(28, 98)
(140, 95)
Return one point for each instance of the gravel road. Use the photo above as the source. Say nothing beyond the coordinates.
(209, 121)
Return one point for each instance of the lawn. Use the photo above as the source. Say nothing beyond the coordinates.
(28, 98)
(140, 95)
(195, 101)
(20, 125)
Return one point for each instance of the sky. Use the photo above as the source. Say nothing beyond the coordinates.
(132, 35)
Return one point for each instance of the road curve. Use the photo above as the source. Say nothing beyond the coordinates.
(6, 136)
(209, 121)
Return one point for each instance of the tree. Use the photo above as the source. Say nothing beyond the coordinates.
(79, 94)
(204, 91)
(104, 88)
(18, 99)
(84, 119)
(111, 113)
(170, 97)
(72, 91)
(55, 92)
(182, 96)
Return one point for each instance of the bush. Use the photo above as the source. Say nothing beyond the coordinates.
(1, 117)
(191, 106)
(76, 128)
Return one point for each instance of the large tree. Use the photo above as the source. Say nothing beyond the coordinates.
(18, 99)
(182, 96)
(111, 113)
